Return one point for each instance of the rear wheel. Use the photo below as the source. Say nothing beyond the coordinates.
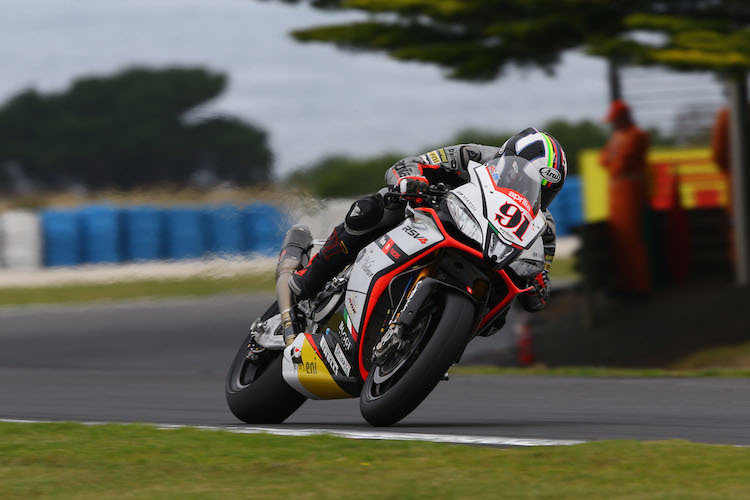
(395, 388)
(255, 388)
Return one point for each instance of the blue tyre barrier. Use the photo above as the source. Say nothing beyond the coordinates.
(143, 233)
(264, 228)
(101, 236)
(61, 234)
(185, 234)
(224, 229)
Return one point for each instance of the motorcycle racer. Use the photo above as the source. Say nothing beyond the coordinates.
(371, 216)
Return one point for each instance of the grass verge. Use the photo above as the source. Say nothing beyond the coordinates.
(596, 371)
(731, 356)
(187, 287)
(115, 461)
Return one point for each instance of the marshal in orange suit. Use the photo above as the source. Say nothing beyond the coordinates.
(624, 157)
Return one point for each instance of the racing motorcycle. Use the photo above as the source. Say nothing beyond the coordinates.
(388, 327)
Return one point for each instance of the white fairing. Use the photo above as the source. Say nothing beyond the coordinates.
(507, 219)
(502, 210)
(415, 234)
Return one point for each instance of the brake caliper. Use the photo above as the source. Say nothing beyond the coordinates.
(391, 342)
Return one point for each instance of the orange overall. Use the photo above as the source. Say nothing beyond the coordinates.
(624, 156)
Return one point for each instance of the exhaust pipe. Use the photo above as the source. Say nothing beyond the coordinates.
(293, 257)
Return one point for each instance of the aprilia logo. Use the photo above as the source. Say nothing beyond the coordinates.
(414, 234)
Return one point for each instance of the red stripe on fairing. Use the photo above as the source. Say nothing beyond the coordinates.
(382, 282)
(513, 290)
(312, 343)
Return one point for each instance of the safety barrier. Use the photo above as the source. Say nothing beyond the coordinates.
(108, 234)
(567, 208)
(20, 240)
(142, 233)
(185, 236)
(101, 234)
(62, 237)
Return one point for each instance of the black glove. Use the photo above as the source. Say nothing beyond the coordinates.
(535, 300)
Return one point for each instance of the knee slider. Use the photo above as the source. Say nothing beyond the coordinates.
(365, 214)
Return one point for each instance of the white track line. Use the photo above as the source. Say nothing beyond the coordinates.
(375, 435)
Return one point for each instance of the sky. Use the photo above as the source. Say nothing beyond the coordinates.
(313, 99)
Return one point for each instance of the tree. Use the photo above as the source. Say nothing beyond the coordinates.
(476, 39)
(332, 176)
(130, 130)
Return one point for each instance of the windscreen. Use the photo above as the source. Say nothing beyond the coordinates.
(519, 175)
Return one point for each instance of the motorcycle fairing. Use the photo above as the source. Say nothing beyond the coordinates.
(414, 236)
(499, 206)
(427, 220)
(331, 354)
(325, 366)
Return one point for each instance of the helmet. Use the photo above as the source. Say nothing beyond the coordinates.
(532, 144)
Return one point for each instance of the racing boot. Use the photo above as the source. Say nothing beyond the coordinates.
(367, 219)
(331, 260)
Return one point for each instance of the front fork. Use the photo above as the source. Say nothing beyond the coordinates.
(396, 337)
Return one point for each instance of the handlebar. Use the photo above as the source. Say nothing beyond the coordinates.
(433, 195)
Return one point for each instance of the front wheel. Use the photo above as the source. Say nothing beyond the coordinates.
(255, 389)
(438, 337)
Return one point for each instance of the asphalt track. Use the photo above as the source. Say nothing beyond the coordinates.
(165, 362)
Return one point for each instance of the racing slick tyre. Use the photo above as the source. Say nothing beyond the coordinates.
(256, 391)
(438, 337)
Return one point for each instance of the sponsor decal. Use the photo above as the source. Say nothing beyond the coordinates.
(329, 356)
(412, 294)
(519, 198)
(365, 262)
(352, 306)
(345, 366)
(345, 337)
(467, 201)
(390, 249)
(310, 368)
(367, 269)
(434, 157)
(492, 170)
(551, 174)
(360, 255)
(356, 211)
(414, 234)
(443, 157)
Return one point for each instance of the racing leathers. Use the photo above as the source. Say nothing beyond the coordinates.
(370, 217)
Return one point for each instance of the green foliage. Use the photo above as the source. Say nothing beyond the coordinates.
(130, 130)
(475, 39)
(341, 176)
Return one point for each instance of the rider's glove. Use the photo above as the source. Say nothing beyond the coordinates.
(534, 300)
(413, 185)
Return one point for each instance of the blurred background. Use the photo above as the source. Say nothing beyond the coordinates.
(147, 141)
